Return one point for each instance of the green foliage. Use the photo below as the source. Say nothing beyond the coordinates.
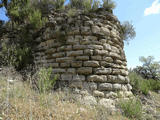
(45, 80)
(108, 4)
(132, 108)
(141, 85)
(128, 31)
(150, 68)
(14, 55)
(90, 5)
(36, 20)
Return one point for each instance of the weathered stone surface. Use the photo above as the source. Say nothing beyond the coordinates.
(71, 71)
(99, 47)
(98, 57)
(102, 71)
(57, 55)
(88, 52)
(79, 47)
(95, 29)
(76, 84)
(75, 53)
(66, 77)
(117, 87)
(116, 71)
(64, 59)
(129, 87)
(84, 70)
(58, 70)
(108, 59)
(54, 65)
(111, 95)
(100, 52)
(91, 64)
(105, 31)
(64, 48)
(105, 86)
(107, 46)
(76, 64)
(97, 78)
(64, 65)
(121, 79)
(114, 49)
(108, 103)
(89, 100)
(114, 55)
(97, 93)
(83, 58)
(78, 77)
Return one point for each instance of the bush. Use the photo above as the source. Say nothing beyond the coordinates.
(45, 81)
(141, 85)
(128, 31)
(132, 108)
(109, 4)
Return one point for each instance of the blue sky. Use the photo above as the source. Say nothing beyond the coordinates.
(145, 16)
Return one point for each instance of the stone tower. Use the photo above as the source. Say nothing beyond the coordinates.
(85, 51)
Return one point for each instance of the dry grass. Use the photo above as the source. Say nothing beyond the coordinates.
(19, 102)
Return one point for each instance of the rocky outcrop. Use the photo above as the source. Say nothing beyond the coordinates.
(86, 51)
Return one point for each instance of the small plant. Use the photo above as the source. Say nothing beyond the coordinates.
(128, 31)
(132, 108)
(45, 82)
(108, 4)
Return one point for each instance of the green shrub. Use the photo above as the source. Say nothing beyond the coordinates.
(108, 4)
(141, 85)
(45, 80)
(36, 20)
(132, 108)
(128, 31)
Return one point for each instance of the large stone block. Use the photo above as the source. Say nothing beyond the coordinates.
(58, 70)
(91, 64)
(97, 93)
(97, 78)
(102, 71)
(76, 64)
(65, 65)
(54, 65)
(78, 77)
(88, 52)
(108, 59)
(95, 29)
(79, 47)
(64, 48)
(67, 77)
(57, 55)
(84, 70)
(83, 58)
(64, 59)
(99, 47)
(75, 53)
(105, 86)
(100, 52)
(117, 87)
(98, 57)
(105, 31)
(71, 70)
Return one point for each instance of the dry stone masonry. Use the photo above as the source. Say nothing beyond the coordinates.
(86, 52)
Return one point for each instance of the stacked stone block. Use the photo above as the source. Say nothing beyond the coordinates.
(85, 51)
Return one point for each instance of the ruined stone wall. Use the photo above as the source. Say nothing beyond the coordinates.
(86, 51)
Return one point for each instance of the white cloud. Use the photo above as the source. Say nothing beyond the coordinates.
(154, 9)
